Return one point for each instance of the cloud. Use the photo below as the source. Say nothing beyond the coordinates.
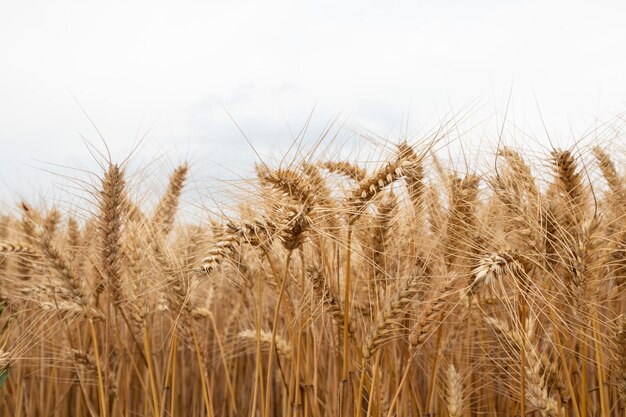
(175, 67)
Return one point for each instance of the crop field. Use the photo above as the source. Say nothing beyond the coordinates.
(400, 286)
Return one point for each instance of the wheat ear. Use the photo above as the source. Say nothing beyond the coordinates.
(454, 392)
(16, 247)
(280, 344)
(393, 310)
(62, 265)
(373, 185)
(332, 305)
(347, 169)
(414, 178)
(428, 318)
(619, 366)
(612, 177)
(536, 388)
(165, 212)
(110, 225)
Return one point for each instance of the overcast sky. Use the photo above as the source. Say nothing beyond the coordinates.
(174, 70)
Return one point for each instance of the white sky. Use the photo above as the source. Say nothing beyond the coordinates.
(170, 69)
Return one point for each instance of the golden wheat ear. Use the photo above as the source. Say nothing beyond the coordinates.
(567, 192)
(394, 309)
(16, 247)
(491, 268)
(346, 169)
(265, 338)
(61, 264)
(610, 173)
(324, 294)
(380, 242)
(455, 401)
(460, 240)
(165, 212)
(255, 233)
(295, 185)
(619, 352)
(414, 178)
(520, 171)
(6, 362)
(537, 394)
(430, 314)
(111, 201)
(404, 164)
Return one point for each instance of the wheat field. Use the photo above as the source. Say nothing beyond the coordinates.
(336, 287)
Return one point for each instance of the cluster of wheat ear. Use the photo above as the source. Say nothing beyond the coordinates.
(336, 288)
